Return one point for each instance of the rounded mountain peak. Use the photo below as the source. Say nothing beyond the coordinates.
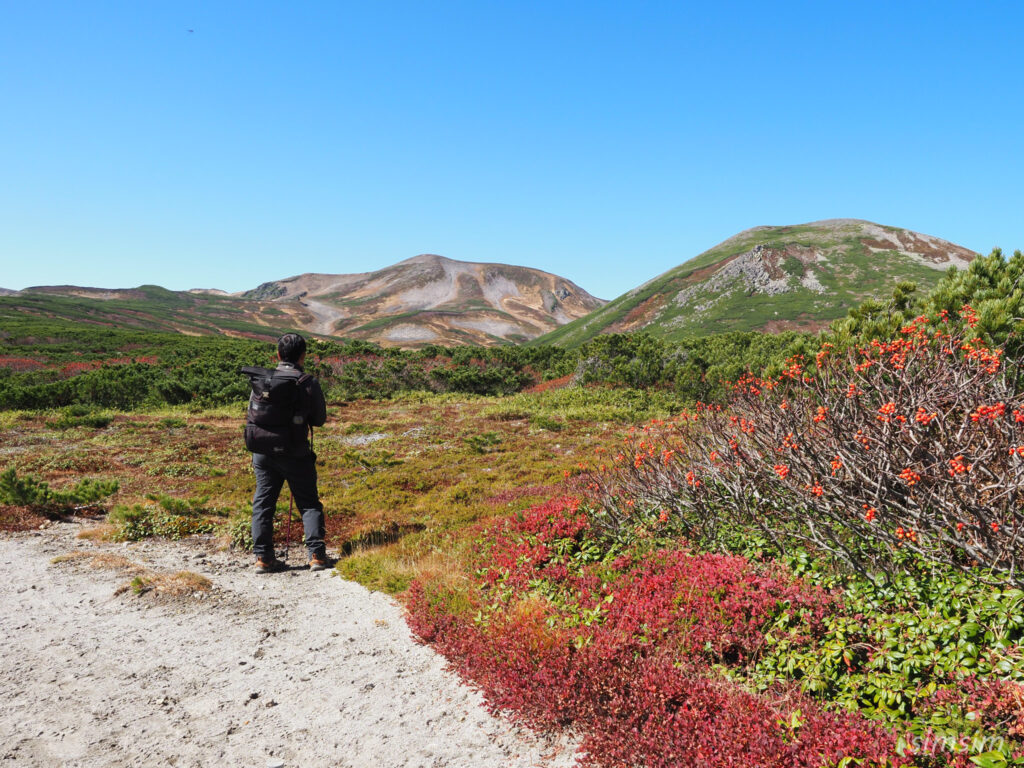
(425, 258)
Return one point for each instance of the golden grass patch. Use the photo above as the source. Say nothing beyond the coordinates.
(178, 584)
(101, 532)
(100, 560)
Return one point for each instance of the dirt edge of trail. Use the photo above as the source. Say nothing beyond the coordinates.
(295, 669)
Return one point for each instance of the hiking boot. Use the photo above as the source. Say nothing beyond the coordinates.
(321, 562)
(270, 565)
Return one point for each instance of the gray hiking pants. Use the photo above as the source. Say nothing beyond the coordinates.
(271, 474)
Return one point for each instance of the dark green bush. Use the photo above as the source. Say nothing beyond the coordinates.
(80, 416)
(32, 492)
(143, 521)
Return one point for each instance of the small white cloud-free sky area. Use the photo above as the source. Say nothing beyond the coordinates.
(221, 145)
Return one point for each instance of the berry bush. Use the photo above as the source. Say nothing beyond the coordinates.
(915, 444)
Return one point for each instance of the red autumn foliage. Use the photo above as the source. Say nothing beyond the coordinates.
(73, 369)
(20, 363)
(522, 492)
(623, 651)
(560, 383)
(998, 704)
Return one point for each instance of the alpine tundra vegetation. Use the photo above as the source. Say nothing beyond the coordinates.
(744, 548)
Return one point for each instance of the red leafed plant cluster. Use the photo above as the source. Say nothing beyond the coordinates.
(15, 363)
(998, 704)
(75, 368)
(916, 443)
(623, 650)
(514, 494)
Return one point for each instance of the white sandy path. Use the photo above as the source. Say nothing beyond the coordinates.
(90, 679)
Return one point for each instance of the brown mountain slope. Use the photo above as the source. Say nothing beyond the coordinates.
(429, 299)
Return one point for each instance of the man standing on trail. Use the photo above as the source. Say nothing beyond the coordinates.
(284, 407)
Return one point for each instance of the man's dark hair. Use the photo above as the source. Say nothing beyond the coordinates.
(291, 347)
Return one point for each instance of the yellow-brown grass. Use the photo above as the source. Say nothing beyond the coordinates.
(101, 532)
(179, 583)
(100, 560)
(176, 584)
(440, 568)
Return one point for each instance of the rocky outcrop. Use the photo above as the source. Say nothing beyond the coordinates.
(266, 292)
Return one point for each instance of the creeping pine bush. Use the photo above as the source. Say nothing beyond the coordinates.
(624, 648)
(80, 416)
(32, 492)
(914, 444)
(169, 517)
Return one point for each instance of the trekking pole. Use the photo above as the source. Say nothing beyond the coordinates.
(288, 528)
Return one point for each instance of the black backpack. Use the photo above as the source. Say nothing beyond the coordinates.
(276, 422)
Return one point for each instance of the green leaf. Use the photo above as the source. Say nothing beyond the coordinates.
(989, 760)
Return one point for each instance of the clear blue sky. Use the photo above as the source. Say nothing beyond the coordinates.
(603, 141)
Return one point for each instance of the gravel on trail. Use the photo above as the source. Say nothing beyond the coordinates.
(294, 669)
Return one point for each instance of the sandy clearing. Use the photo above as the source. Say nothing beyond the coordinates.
(299, 667)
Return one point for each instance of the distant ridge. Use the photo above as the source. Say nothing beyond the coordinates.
(427, 299)
(7, 292)
(766, 278)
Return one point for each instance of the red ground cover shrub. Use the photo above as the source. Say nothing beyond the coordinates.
(623, 650)
(560, 383)
(522, 492)
(147, 359)
(14, 518)
(20, 363)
